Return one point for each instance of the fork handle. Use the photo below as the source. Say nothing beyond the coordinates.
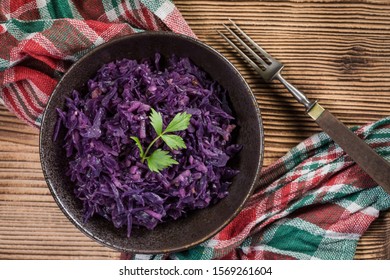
(372, 163)
(298, 95)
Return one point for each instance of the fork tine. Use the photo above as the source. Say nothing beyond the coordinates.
(255, 55)
(249, 60)
(254, 44)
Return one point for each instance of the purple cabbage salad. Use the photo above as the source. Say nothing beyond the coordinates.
(104, 162)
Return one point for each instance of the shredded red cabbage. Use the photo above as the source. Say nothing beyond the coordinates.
(105, 163)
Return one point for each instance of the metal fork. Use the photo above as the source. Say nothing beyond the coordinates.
(270, 69)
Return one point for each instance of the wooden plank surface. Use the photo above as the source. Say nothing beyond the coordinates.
(335, 51)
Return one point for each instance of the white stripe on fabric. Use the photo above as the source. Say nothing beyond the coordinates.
(370, 211)
(136, 3)
(211, 243)
(111, 15)
(341, 235)
(354, 207)
(48, 45)
(38, 121)
(142, 257)
(41, 3)
(43, 10)
(91, 34)
(165, 10)
(121, 10)
(336, 188)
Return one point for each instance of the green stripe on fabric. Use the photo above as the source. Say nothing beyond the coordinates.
(29, 26)
(154, 5)
(307, 200)
(382, 135)
(38, 121)
(108, 6)
(331, 249)
(115, 5)
(246, 244)
(132, 5)
(59, 9)
(375, 197)
(4, 64)
(21, 29)
(292, 239)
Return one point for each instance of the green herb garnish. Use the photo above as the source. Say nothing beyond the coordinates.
(160, 159)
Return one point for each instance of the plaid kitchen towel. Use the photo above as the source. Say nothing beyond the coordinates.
(313, 203)
(40, 39)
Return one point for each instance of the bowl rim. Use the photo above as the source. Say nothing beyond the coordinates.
(79, 225)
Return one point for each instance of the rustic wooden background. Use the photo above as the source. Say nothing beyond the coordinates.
(335, 51)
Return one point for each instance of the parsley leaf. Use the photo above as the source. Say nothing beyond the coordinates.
(138, 143)
(156, 121)
(159, 160)
(180, 122)
(174, 142)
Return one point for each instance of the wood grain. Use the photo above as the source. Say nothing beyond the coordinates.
(334, 51)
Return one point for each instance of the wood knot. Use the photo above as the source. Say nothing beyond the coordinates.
(353, 60)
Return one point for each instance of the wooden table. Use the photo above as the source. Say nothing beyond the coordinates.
(335, 51)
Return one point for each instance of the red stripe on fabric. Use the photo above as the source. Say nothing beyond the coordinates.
(176, 23)
(237, 226)
(27, 98)
(12, 105)
(149, 19)
(30, 15)
(269, 202)
(45, 83)
(17, 4)
(24, 10)
(108, 31)
(91, 9)
(138, 13)
(9, 44)
(230, 256)
(285, 195)
(267, 255)
(357, 223)
(323, 215)
(99, 27)
(130, 15)
(34, 48)
(352, 175)
(40, 53)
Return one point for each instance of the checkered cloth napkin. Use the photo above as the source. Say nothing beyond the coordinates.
(314, 203)
(40, 39)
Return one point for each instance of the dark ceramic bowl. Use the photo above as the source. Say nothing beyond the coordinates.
(198, 226)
